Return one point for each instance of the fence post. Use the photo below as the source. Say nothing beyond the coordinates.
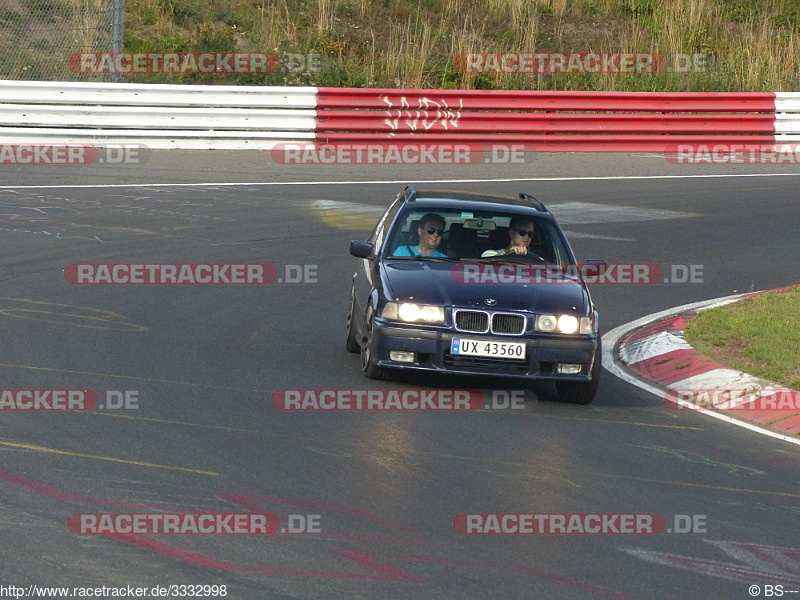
(117, 13)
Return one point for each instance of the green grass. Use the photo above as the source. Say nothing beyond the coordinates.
(758, 335)
(412, 43)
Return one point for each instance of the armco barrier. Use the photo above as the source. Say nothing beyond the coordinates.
(187, 116)
(554, 121)
(159, 116)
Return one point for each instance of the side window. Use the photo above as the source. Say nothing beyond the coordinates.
(556, 252)
(405, 233)
(385, 221)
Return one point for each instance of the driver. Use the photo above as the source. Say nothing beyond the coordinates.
(520, 233)
(430, 230)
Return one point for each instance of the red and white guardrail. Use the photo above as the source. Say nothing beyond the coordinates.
(240, 117)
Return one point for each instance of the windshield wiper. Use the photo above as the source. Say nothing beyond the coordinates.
(428, 257)
(421, 257)
(503, 259)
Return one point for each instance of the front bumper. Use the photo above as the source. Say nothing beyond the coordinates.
(431, 348)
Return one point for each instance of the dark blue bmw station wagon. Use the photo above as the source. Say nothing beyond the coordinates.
(462, 283)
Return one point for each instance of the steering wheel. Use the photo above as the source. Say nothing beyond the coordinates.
(529, 256)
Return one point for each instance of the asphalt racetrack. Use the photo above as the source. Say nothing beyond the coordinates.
(199, 364)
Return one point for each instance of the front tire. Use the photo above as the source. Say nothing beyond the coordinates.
(582, 392)
(368, 365)
(351, 343)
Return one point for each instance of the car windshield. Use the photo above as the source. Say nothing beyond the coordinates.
(474, 236)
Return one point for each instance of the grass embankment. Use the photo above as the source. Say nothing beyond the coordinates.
(753, 45)
(413, 43)
(758, 335)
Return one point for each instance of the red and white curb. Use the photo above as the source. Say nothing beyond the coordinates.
(651, 353)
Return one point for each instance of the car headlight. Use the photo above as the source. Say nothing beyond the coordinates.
(413, 313)
(546, 323)
(567, 324)
(564, 324)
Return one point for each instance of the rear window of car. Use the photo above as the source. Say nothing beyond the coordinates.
(468, 234)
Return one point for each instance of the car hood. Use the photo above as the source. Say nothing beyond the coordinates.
(438, 283)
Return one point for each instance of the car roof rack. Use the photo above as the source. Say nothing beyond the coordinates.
(409, 193)
(533, 201)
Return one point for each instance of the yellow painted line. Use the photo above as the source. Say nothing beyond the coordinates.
(567, 472)
(58, 318)
(106, 458)
(104, 319)
(473, 459)
(114, 414)
(610, 421)
(638, 424)
(294, 436)
(130, 230)
(347, 215)
(88, 308)
(133, 378)
(708, 486)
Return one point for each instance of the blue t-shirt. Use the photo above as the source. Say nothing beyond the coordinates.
(414, 251)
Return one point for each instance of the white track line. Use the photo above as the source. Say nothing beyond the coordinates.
(390, 181)
(611, 338)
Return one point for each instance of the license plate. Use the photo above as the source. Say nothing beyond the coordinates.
(466, 347)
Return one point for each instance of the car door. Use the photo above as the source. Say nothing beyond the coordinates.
(365, 277)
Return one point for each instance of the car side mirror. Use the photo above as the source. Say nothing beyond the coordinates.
(361, 249)
(597, 268)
